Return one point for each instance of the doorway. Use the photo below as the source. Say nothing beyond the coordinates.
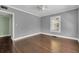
(6, 31)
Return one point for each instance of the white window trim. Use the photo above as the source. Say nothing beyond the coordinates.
(59, 23)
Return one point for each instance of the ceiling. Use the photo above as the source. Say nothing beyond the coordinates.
(51, 9)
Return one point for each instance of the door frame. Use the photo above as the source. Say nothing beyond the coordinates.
(13, 35)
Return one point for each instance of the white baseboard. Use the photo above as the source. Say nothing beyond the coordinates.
(19, 38)
(72, 38)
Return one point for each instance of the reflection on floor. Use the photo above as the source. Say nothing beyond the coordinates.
(46, 44)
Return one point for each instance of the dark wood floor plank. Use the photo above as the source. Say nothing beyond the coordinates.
(6, 45)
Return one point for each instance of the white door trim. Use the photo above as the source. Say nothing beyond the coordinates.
(12, 21)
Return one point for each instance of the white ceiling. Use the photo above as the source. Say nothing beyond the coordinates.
(51, 9)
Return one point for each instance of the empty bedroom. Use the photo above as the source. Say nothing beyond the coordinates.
(39, 28)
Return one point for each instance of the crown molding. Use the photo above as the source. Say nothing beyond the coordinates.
(22, 10)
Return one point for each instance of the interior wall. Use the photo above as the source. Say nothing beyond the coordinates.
(24, 23)
(69, 23)
(78, 24)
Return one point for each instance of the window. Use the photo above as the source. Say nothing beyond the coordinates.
(55, 24)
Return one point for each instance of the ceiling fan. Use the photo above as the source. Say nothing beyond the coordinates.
(42, 7)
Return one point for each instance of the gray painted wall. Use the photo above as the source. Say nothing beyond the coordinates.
(25, 23)
(69, 23)
(78, 24)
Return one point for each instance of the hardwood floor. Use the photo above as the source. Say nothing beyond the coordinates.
(6, 44)
(46, 44)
